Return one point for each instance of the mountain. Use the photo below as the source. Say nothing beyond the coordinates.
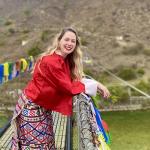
(114, 33)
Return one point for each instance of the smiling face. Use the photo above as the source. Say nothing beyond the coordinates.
(67, 43)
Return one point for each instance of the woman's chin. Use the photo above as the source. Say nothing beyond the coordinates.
(68, 51)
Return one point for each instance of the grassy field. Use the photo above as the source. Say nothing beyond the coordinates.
(130, 130)
(3, 120)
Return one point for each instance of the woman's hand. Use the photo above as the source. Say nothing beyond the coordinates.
(101, 89)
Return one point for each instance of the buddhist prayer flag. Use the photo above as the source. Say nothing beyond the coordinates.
(100, 128)
(10, 70)
(1, 73)
(24, 64)
(31, 60)
(6, 71)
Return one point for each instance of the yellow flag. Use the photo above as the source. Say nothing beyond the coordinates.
(6, 71)
(24, 64)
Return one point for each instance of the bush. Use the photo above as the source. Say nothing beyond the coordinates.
(88, 72)
(45, 35)
(27, 12)
(104, 77)
(7, 23)
(84, 42)
(140, 71)
(119, 94)
(146, 51)
(96, 100)
(143, 86)
(133, 49)
(25, 31)
(2, 43)
(11, 30)
(34, 51)
(127, 73)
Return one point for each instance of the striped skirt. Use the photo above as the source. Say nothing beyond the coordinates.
(33, 127)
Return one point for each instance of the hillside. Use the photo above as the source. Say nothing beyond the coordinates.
(114, 33)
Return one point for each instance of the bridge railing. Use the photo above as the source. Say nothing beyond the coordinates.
(61, 129)
(70, 132)
(83, 137)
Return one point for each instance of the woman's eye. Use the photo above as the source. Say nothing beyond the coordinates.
(72, 41)
(67, 39)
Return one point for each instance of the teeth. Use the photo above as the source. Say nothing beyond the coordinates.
(68, 48)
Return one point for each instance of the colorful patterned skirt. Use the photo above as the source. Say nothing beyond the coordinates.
(33, 127)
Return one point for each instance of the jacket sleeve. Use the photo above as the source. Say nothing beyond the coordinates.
(61, 79)
(90, 86)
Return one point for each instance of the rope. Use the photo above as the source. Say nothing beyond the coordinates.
(125, 82)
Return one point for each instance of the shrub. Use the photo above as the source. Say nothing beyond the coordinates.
(143, 86)
(127, 73)
(45, 35)
(104, 77)
(88, 72)
(2, 43)
(7, 23)
(133, 49)
(27, 12)
(11, 30)
(25, 31)
(84, 42)
(119, 94)
(8, 113)
(34, 51)
(96, 100)
(146, 51)
(140, 71)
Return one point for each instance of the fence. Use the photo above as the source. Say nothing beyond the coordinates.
(71, 133)
(61, 125)
(83, 138)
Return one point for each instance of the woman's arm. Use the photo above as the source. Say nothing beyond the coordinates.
(102, 90)
(56, 75)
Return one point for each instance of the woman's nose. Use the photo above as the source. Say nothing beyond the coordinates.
(69, 43)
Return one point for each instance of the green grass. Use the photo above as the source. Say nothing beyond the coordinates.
(130, 130)
(3, 120)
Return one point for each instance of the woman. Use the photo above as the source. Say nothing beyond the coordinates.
(56, 79)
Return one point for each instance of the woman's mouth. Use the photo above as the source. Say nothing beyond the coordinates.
(68, 48)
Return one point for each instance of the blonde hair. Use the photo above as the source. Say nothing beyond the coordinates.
(75, 58)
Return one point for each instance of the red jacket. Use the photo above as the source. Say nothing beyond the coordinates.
(51, 86)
